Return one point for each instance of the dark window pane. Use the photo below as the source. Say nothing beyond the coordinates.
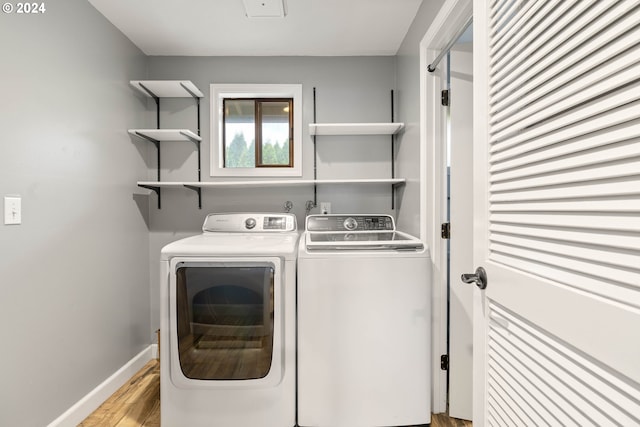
(225, 322)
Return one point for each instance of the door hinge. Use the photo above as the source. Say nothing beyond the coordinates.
(444, 98)
(444, 362)
(445, 230)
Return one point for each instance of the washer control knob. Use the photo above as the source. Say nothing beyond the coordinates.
(350, 224)
(249, 223)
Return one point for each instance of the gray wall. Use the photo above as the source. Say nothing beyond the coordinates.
(348, 89)
(74, 276)
(408, 89)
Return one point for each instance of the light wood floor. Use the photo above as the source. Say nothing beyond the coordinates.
(442, 420)
(137, 404)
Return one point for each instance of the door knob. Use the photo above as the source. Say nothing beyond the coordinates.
(479, 278)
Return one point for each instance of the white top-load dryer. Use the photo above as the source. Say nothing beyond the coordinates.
(227, 325)
(364, 322)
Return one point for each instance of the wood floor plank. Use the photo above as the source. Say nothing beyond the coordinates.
(442, 420)
(137, 404)
(133, 403)
(141, 403)
(154, 416)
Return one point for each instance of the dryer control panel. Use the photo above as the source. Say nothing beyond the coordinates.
(249, 223)
(350, 223)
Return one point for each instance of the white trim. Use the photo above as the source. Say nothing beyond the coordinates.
(221, 91)
(452, 15)
(89, 403)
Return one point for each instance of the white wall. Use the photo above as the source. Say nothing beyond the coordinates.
(74, 304)
(408, 90)
(348, 89)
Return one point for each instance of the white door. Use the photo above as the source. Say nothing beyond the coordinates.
(557, 212)
(461, 242)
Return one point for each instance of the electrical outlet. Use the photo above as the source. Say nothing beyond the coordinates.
(325, 208)
(12, 210)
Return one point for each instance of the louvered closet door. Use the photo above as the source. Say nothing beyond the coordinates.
(557, 186)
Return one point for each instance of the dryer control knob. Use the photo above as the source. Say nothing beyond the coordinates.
(249, 223)
(350, 224)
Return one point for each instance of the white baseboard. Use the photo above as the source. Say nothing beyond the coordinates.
(89, 403)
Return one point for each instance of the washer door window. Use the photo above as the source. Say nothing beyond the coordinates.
(225, 320)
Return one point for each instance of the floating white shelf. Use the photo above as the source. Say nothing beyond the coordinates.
(362, 181)
(355, 128)
(274, 183)
(167, 88)
(166, 134)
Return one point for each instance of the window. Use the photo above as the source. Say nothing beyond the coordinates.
(256, 130)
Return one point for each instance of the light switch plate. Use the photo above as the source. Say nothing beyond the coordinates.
(12, 210)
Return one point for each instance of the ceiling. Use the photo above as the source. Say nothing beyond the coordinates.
(221, 27)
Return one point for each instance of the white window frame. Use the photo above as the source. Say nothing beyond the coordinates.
(221, 91)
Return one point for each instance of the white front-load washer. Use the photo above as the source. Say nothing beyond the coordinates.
(227, 325)
(364, 324)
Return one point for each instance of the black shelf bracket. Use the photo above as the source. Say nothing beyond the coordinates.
(156, 98)
(198, 190)
(394, 191)
(393, 158)
(153, 187)
(156, 189)
(198, 130)
(198, 144)
(155, 142)
(315, 155)
(197, 98)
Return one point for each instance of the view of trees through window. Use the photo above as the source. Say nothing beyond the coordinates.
(240, 154)
(257, 133)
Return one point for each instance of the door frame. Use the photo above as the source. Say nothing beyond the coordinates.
(452, 15)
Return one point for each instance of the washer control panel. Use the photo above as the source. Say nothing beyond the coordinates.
(350, 223)
(249, 222)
